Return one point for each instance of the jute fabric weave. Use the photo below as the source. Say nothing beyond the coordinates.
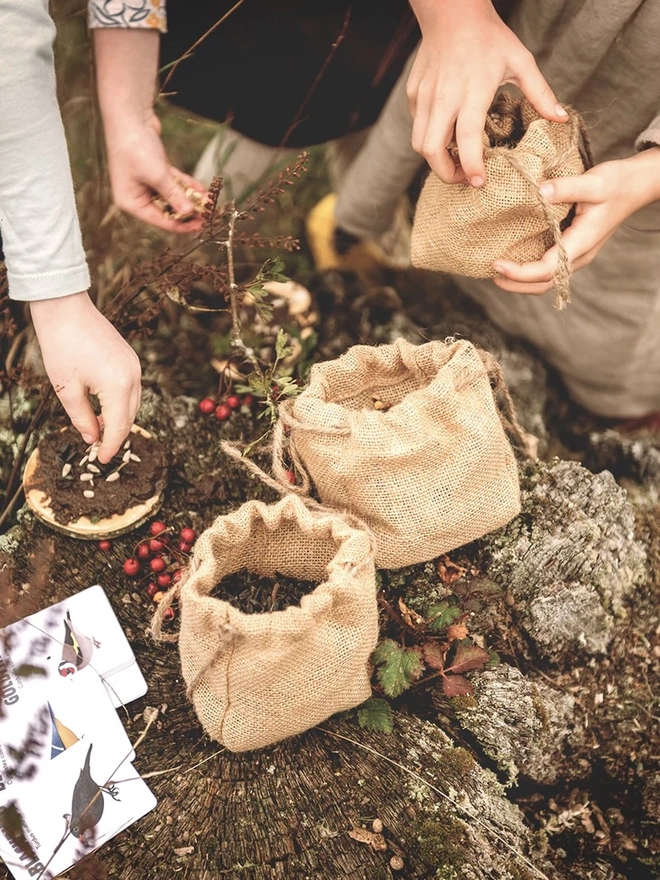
(255, 679)
(430, 472)
(463, 230)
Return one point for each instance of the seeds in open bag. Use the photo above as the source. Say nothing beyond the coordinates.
(462, 229)
(428, 472)
(258, 677)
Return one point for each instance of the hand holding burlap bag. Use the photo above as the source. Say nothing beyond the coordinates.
(255, 679)
(429, 471)
(462, 229)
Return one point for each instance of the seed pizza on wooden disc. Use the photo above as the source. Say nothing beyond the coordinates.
(72, 492)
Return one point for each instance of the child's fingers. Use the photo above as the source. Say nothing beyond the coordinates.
(469, 137)
(534, 87)
(567, 190)
(119, 409)
(75, 401)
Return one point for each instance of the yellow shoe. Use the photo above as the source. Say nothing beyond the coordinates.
(360, 256)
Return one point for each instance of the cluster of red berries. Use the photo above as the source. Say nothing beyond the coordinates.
(223, 410)
(161, 556)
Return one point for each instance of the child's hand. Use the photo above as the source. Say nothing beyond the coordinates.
(139, 170)
(466, 53)
(83, 354)
(606, 196)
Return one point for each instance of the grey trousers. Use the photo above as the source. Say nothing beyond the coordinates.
(606, 344)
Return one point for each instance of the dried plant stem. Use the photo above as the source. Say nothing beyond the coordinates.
(190, 51)
(237, 342)
(9, 506)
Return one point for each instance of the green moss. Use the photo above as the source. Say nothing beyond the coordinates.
(442, 843)
(458, 762)
(518, 871)
(463, 703)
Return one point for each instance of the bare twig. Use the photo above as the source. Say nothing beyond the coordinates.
(333, 51)
(189, 52)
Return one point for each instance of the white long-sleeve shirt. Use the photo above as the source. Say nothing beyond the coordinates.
(38, 220)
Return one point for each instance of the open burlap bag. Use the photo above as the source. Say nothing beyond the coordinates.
(461, 229)
(428, 474)
(255, 679)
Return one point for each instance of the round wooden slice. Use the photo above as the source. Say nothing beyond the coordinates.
(107, 527)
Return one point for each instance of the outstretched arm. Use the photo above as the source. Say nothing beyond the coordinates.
(466, 54)
(126, 70)
(45, 259)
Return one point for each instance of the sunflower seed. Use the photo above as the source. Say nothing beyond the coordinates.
(86, 477)
(127, 445)
(83, 461)
(111, 478)
(134, 457)
(66, 470)
(126, 457)
(88, 493)
(93, 453)
(93, 469)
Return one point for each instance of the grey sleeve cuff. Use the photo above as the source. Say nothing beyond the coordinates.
(48, 285)
(650, 137)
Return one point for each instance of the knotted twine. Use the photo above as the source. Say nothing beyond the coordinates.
(432, 473)
(464, 230)
(255, 679)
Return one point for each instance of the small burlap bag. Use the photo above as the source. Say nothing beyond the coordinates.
(461, 229)
(430, 471)
(255, 679)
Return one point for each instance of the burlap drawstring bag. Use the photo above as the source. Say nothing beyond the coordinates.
(255, 679)
(429, 471)
(463, 230)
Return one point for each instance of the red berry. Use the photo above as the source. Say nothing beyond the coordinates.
(248, 400)
(178, 574)
(222, 412)
(131, 568)
(185, 547)
(143, 551)
(157, 527)
(188, 535)
(105, 545)
(206, 406)
(290, 476)
(157, 564)
(234, 401)
(168, 614)
(152, 589)
(164, 580)
(156, 546)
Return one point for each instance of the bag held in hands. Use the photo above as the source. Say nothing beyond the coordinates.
(256, 678)
(409, 440)
(464, 230)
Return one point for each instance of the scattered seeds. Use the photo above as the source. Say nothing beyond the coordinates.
(93, 469)
(111, 478)
(126, 457)
(93, 453)
(88, 493)
(86, 477)
(83, 461)
(66, 470)
(127, 445)
(134, 457)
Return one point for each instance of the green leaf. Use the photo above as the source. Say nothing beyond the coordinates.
(259, 384)
(440, 616)
(398, 667)
(376, 715)
(282, 347)
(288, 386)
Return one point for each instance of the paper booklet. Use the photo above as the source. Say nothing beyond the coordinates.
(67, 784)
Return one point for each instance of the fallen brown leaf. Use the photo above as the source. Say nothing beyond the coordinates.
(449, 571)
(410, 618)
(457, 631)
